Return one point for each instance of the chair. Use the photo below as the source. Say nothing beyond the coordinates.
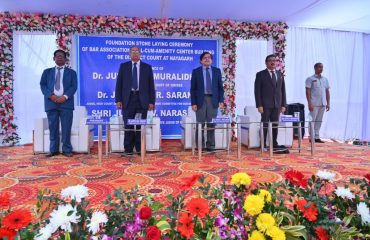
(222, 135)
(82, 135)
(117, 134)
(250, 129)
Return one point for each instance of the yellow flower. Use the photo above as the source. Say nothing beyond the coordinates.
(256, 235)
(266, 195)
(253, 204)
(241, 179)
(276, 233)
(265, 221)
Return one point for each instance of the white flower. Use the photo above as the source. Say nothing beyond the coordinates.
(344, 193)
(45, 232)
(364, 212)
(97, 218)
(75, 192)
(61, 218)
(325, 175)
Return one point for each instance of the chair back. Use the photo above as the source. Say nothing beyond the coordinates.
(79, 113)
(191, 114)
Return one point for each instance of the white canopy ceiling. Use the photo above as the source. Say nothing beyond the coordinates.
(345, 15)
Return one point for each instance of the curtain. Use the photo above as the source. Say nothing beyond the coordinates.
(33, 53)
(346, 58)
(250, 59)
(366, 90)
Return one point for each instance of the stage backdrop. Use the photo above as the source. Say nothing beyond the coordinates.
(66, 26)
(172, 61)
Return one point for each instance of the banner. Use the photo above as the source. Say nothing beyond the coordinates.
(172, 60)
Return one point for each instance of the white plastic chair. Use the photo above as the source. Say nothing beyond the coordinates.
(82, 136)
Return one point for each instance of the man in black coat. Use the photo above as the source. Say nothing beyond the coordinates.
(135, 93)
(270, 96)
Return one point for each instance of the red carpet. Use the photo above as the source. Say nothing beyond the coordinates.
(24, 174)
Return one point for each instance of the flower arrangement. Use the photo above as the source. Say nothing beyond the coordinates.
(240, 209)
(66, 25)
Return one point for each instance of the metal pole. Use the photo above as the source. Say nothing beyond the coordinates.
(143, 142)
(270, 138)
(205, 134)
(228, 139)
(192, 128)
(261, 137)
(239, 140)
(100, 147)
(299, 136)
(199, 141)
(107, 133)
(311, 125)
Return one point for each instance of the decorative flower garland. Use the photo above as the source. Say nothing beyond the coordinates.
(65, 26)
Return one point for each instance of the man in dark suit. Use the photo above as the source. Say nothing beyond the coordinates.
(207, 94)
(135, 94)
(269, 92)
(58, 85)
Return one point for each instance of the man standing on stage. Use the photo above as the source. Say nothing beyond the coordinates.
(135, 94)
(318, 98)
(207, 94)
(58, 85)
(270, 96)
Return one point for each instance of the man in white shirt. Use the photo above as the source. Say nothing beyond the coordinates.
(270, 96)
(135, 94)
(58, 85)
(318, 98)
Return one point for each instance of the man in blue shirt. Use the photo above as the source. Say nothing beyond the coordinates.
(207, 95)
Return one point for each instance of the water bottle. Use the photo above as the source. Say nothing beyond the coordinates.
(149, 118)
(138, 116)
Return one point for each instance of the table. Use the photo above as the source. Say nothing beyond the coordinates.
(270, 127)
(107, 125)
(198, 141)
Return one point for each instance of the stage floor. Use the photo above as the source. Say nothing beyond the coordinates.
(24, 174)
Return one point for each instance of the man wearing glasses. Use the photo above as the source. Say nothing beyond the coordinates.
(207, 95)
(135, 94)
(269, 93)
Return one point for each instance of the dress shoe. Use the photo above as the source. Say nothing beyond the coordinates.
(279, 147)
(67, 154)
(318, 140)
(281, 151)
(138, 153)
(211, 149)
(128, 153)
(52, 154)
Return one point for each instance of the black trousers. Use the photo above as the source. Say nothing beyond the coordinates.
(133, 107)
(270, 115)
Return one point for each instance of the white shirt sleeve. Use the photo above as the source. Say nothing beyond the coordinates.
(308, 83)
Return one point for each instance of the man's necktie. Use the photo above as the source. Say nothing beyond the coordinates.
(208, 82)
(134, 78)
(273, 77)
(57, 79)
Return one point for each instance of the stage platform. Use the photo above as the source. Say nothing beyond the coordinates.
(23, 174)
